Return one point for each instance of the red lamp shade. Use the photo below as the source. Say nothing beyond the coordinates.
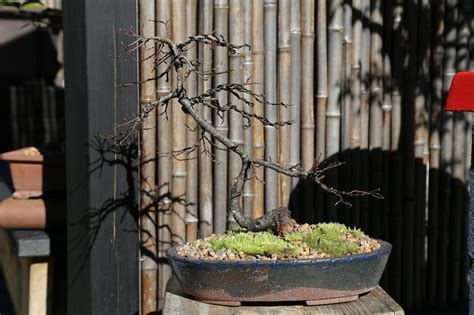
(461, 92)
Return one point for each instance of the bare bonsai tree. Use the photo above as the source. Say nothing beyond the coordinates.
(174, 56)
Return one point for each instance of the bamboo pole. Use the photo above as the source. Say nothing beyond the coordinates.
(235, 119)
(248, 194)
(321, 104)
(364, 112)
(147, 165)
(346, 110)
(333, 110)
(192, 135)
(295, 42)
(270, 86)
(422, 99)
(387, 111)
(376, 113)
(408, 116)
(446, 169)
(221, 8)
(396, 153)
(205, 160)
(355, 100)
(307, 102)
(459, 160)
(436, 105)
(165, 166)
(386, 124)
(284, 92)
(259, 78)
(179, 133)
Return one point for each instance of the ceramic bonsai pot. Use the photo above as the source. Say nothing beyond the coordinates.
(316, 281)
(28, 167)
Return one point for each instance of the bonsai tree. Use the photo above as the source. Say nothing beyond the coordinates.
(174, 56)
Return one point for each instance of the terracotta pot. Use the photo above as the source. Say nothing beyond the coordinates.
(31, 214)
(34, 173)
(316, 281)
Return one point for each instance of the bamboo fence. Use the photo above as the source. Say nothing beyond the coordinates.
(365, 82)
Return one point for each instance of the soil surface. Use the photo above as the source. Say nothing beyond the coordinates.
(302, 242)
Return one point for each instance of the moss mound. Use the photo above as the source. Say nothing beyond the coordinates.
(251, 243)
(333, 239)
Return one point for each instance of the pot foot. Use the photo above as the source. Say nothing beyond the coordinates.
(223, 303)
(333, 300)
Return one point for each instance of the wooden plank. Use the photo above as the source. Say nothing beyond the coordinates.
(38, 289)
(102, 234)
(375, 302)
(16, 273)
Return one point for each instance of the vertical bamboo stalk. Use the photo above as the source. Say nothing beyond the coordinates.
(387, 108)
(346, 110)
(376, 112)
(321, 104)
(259, 78)
(408, 116)
(221, 9)
(165, 164)
(270, 25)
(396, 195)
(179, 133)
(333, 110)
(307, 101)
(147, 165)
(355, 100)
(422, 99)
(192, 135)
(435, 125)
(446, 169)
(459, 160)
(235, 67)
(205, 161)
(295, 42)
(248, 194)
(364, 112)
(386, 124)
(284, 84)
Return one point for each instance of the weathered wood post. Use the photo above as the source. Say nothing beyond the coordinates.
(102, 233)
(461, 98)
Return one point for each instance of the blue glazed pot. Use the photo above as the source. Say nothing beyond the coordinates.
(316, 281)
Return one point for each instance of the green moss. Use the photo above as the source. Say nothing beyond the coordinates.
(262, 243)
(329, 238)
(324, 238)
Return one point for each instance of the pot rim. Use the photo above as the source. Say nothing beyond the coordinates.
(385, 249)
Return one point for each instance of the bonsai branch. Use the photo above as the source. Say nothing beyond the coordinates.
(174, 54)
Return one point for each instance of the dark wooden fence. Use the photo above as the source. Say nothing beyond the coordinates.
(367, 82)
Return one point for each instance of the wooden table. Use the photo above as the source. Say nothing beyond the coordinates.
(375, 302)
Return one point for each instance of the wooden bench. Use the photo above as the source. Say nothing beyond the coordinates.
(375, 302)
(26, 264)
